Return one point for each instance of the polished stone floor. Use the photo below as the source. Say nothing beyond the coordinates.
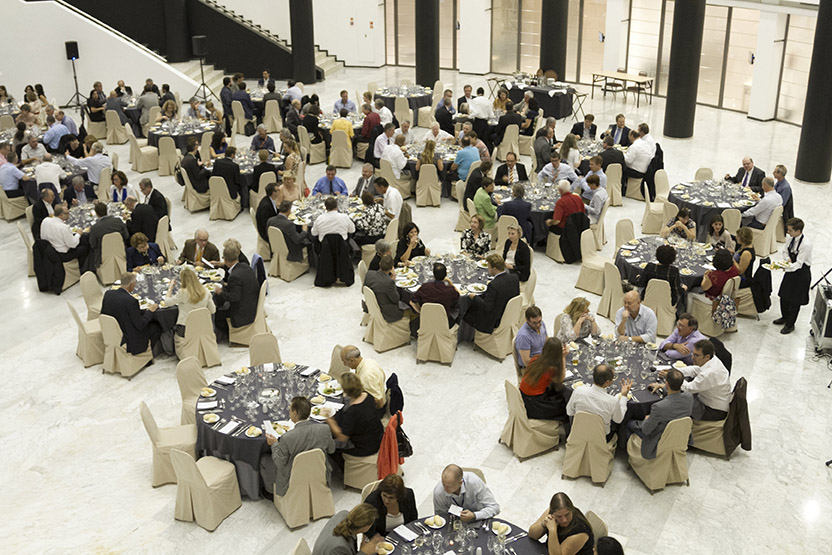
(76, 472)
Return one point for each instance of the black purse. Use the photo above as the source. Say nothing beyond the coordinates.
(403, 442)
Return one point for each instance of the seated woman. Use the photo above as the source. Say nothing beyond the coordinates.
(517, 254)
(745, 255)
(214, 115)
(430, 156)
(666, 271)
(383, 249)
(527, 127)
(191, 296)
(568, 530)
(569, 152)
(218, 145)
(410, 245)
(576, 322)
(718, 236)
(291, 165)
(681, 226)
(143, 253)
(288, 190)
(502, 98)
(120, 189)
(170, 112)
(396, 505)
(474, 240)
(542, 388)
(714, 280)
(372, 224)
(357, 428)
(340, 533)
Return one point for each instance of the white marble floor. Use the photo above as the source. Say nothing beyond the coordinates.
(76, 472)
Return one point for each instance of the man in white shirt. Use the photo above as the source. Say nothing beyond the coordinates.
(93, 164)
(711, 385)
(293, 92)
(383, 140)
(332, 221)
(594, 169)
(62, 239)
(644, 133)
(405, 130)
(594, 399)
(392, 198)
(11, 176)
(480, 107)
(33, 151)
(636, 159)
(466, 491)
(758, 215)
(383, 112)
(437, 134)
(393, 154)
(556, 170)
(599, 197)
(368, 371)
(48, 171)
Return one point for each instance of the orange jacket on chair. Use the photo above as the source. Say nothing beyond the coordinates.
(388, 452)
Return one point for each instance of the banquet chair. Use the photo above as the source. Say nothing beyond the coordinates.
(316, 152)
(591, 277)
(670, 212)
(624, 232)
(587, 451)
(436, 341)
(765, 240)
(360, 471)
(652, 220)
(168, 156)
(30, 217)
(239, 119)
(732, 219)
(428, 187)
(381, 334)
(614, 184)
(426, 117)
(527, 294)
(368, 252)
(703, 174)
(553, 248)
(114, 159)
(598, 229)
(163, 236)
(164, 440)
(128, 130)
(117, 360)
(368, 489)
(263, 248)
(510, 142)
(115, 130)
(223, 207)
(90, 347)
(340, 155)
(402, 110)
(191, 380)
(12, 208)
(476, 471)
(463, 220)
(97, 129)
(272, 119)
(206, 490)
(280, 265)
(532, 166)
(403, 184)
(264, 349)
(113, 258)
(72, 274)
(302, 548)
(200, 340)
(745, 302)
(502, 229)
(701, 307)
(709, 436)
(472, 209)
(336, 365)
(517, 369)
(634, 188)
(256, 196)
(243, 335)
(308, 497)
(6, 122)
(657, 297)
(525, 436)
(599, 527)
(525, 142)
(145, 158)
(205, 147)
(91, 291)
(498, 342)
(372, 87)
(662, 184)
(670, 465)
(28, 242)
(105, 178)
(194, 202)
(362, 268)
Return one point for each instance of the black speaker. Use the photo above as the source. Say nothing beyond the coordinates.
(71, 50)
(199, 46)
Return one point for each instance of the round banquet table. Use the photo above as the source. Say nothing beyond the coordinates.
(557, 106)
(706, 199)
(179, 135)
(237, 400)
(82, 217)
(543, 199)
(70, 172)
(692, 259)
(446, 151)
(467, 274)
(414, 100)
(306, 211)
(247, 159)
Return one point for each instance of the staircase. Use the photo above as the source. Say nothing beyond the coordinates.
(213, 76)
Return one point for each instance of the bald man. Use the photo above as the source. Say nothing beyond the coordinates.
(749, 175)
(635, 321)
(368, 371)
(465, 491)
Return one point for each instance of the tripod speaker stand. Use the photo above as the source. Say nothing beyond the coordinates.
(199, 47)
(77, 100)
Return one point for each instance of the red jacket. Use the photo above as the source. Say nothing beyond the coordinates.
(370, 120)
(388, 451)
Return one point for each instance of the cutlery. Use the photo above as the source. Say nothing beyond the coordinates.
(219, 423)
(516, 537)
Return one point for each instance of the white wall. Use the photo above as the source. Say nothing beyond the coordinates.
(615, 34)
(103, 56)
(768, 57)
(474, 28)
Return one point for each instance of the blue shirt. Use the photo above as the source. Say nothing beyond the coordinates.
(10, 176)
(464, 159)
(350, 106)
(53, 137)
(327, 187)
(451, 108)
(783, 189)
(258, 144)
(70, 124)
(587, 192)
(528, 339)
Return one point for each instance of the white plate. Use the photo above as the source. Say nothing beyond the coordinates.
(508, 531)
(210, 418)
(382, 548)
(207, 392)
(282, 426)
(436, 526)
(332, 384)
(317, 400)
(254, 431)
(476, 288)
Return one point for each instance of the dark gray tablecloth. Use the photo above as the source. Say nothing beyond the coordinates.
(645, 251)
(181, 139)
(415, 102)
(558, 106)
(543, 207)
(700, 192)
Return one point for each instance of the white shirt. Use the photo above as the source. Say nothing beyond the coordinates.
(648, 138)
(48, 172)
(333, 222)
(28, 152)
(763, 209)
(804, 252)
(480, 107)
(441, 136)
(382, 141)
(93, 165)
(594, 399)
(602, 183)
(58, 234)
(393, 154)
(711, 382)
(408, 137)
(386, 115)
(638, 156)
(599, 197)
(393, 201)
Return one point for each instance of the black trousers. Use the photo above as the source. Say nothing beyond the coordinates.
(626, 174)
(789, 311)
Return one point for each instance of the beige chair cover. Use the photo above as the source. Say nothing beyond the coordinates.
(263, 349)
(6, 122)
(634, 188)
(436, 341)
(498, 342)
(72, 274)
(599, 527)
(206, 490)
(598, 229)
(205, 146)
(527, 293)
(614, 183)
(532, 166)
(745, 302)
(163, 237)
(105, 178)
(652, 220)
(145, 158)
(263, 248)
(163, 440)
(426, 116)
(30, 218)
(380, 333)
(670, 465)
(703, 174)
(657, 297)
(670, 212)
(191, 380)
(613, 296)
(553, 248)
(114, 158)
(701, 307)
(475, 471)
(765, 240)
(336, 365)
(223, 207)
(128, 131)
(272, 119)
(510, 142)
(402, 109)
(522, 435)
(502, 229)
(372, 87)
(97, 129)
(587, 450)
(317, 152)
(624, 232)
(115, 130)
(12, 208)
(463, 220)
(243, 335)
(116, 358)
(194, 202)
(403, 184)
(280, 265)
(591, 277)
(152, 115)
(360, 471)
(91, 290)
(113, 258)
(428, 188)
(472, 208)
(301, 548)
(525, 142)
(28, 243)
(732, 219)
(368, 489)
(368, 252)
(709, 436)
(308, 497)
(514, 359)
(340, 154)
(90, 347)
(662, 184)
(239, 117)
(200, 340)
(168, 156)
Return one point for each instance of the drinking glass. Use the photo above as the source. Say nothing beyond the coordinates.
(437, 542)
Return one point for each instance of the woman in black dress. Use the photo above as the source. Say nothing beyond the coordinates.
(396, 505)
(794, 289)
(357, 429)
(744, 257)
(665, 270)
(410, 245)
(517, 254)
(568, 529)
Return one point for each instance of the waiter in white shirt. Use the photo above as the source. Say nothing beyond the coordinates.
(636, 159)
(392, 199)
(794, 289)
(481, 110)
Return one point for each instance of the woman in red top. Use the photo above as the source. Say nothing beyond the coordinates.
(714, 280)
(542, 388)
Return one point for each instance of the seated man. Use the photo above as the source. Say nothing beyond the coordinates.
(105, 224)
(11, 176)
(332, 221)
(635, 321)
(520, 208)
(276, 467)
(749, 175)
(237, 300)
(261, 140)
(569, 203)
(199, 250)
(441, 291)
(444, 117)
(344, 103)
(679, 344)
(466, 491)
(394, 154)
(197, 174)
(41, 209)
(383, 140)
(142, 219)
(93, 164)
(382, 283)
(80, 193)
(366, 182)
(154, 198)
(542, 147)
(481, 147)
(484, 312)
(52, 138)
(371, 119)
(599, 197)
(677, 404)
(295, 241)
(330, 184)
(48, 172)
(618, 131)
(266, 210)
(594, 169)
(586, 129)
(758, 215)
(33, 151)
(636, 159)
(406, 131)
(63, 240)
(511, 117)
(368, 371)
(196, 110)
(530, 337)
(556, 170)
(464, 158)
(711, 385)
(510, 172)
(137, 325)
(383, 112)
(436, 134)
(611, 155)
(229, 170)
(682, 226)
(596, 400)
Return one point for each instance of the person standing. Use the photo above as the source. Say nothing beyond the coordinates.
(794, 289)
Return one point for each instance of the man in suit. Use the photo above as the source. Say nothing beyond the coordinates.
(137, 325)
(295, 241)
(276, 466)
(105, 224)
(444, 117)
(198, 249)
(619, 131)
(542, 147)
(263, 167)
(677, 404)
(142, 219)
(382, 283)
(167, 95)
(367, 182)
(225, 99)
(266, 210)
(511, 117)
(146, 101)
(197, 174)
(229, 170)
(293, 118)
(510, 172)
(485, 311)
(520, 209)
(154, 198)
(466, 98)
(611, 155)
(41, 209)
(238, 299)
(81, 192)
(587, 129)
(749, 175)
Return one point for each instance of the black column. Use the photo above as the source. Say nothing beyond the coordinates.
(814, 154)
(554, 22)
(427, 42)
(303, 41)
(683, 75)
(177, 37)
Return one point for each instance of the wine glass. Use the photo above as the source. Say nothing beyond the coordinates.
(437, 542)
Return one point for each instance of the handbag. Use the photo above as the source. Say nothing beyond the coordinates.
(403, 442)
(724, 312)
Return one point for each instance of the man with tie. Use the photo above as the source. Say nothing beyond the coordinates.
(383, 140)
(366, 182)
(465, 98)
(749, 175)
(330, 184)
(619, 131)
(199, 249)
(511, 171)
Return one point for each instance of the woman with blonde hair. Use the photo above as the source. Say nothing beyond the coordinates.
(291, 166)
(541, 386)
(475, 240)
(357, 428)
(170, 112)
(430, 156)
(191, 296)
(517, 254)
(501, 100)
(288, 190)
(577, 321)
(340, 533)
(569, 152)
(214, 115)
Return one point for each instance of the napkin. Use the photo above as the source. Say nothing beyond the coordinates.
(633, 260)
(226, 380)
(267, 427)
(552, 93)
(455, 510)
(229, 427)
(724, 204)
(203, 405)
(568, 375)
(207, 263)
(708, 266)
(406, 533)
(309, 371)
